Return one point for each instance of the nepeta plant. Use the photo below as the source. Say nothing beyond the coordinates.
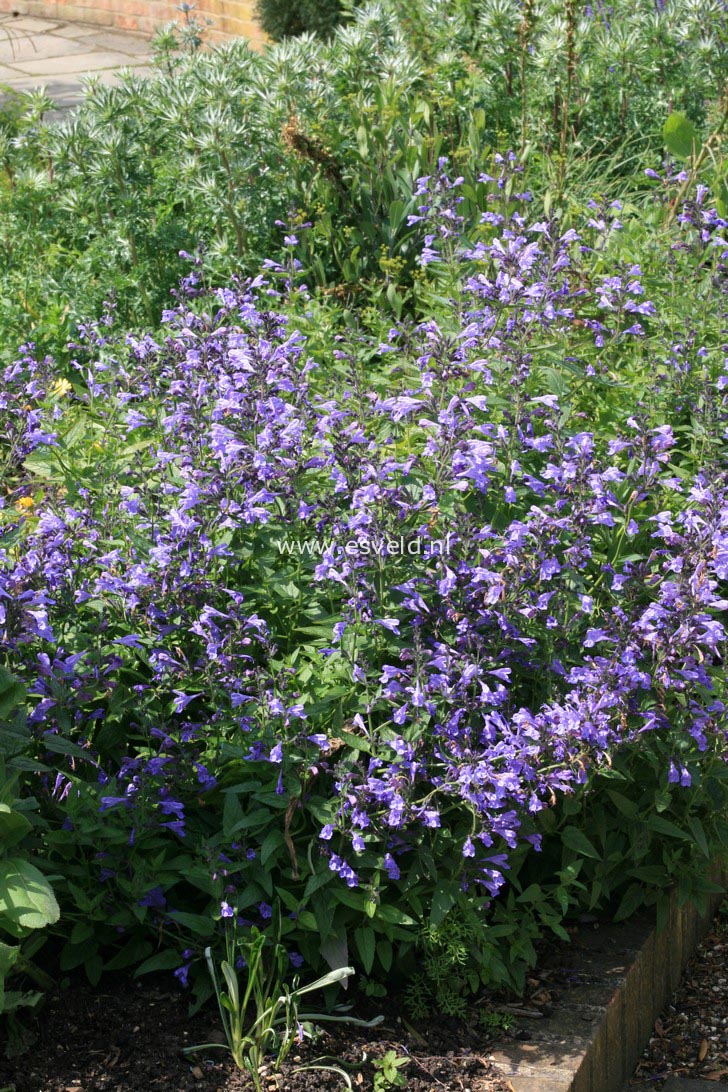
(210, 588)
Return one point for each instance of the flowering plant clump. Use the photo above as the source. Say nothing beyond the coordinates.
(359, 627)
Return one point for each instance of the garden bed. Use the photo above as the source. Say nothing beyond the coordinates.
(129, 1036)
(362, 607)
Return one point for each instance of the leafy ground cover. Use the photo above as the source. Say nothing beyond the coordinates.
(362, 603)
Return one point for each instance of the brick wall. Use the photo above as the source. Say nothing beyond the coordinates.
(229, 18)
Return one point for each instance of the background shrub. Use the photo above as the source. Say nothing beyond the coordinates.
(227, 142)
(285, 18)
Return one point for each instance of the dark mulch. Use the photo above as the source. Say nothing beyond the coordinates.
(128, 1036)
(690, 1038)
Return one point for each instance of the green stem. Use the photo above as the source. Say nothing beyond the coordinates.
(706, 149)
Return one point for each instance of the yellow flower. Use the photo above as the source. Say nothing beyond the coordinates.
(61, 387)
(24, 504)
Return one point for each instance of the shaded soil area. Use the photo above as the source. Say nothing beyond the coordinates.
(690, 1037)
(128, 1036)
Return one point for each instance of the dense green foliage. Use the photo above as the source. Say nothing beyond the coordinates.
(225, 143)
(284, 18)
(27, 901)
(456, 274)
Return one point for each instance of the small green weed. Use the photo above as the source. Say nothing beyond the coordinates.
(389, 1072)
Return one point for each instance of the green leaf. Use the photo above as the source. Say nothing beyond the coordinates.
(632, 899)
(443, 900)
(362, 141)
(133, 952)
(696, 828)
(8, 681)
(94, 967)
(395, 300)
(82, 931)
(232, 813)
(622, 803)
(576, 840)
(162, 961)
(663, 800)
(319, 879)
(231, 981)
(12, 693)
(8, 956)
(392, 916)
(73, 955)
(385, 953)
(596, 893)
(366, 946)
(271, 843)
(335, 951)
(15, 999)
(665, 826)
(353, 899)
(533, 893)
(680, 136)
(26, 898)
(13, 826)
(60, 746)
(397, 212)
(196, 923)
(721, 198)
(554, 924)
(356, 742)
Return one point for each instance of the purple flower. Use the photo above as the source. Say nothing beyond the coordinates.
(154, 898)
(182, 974)
(391, 866)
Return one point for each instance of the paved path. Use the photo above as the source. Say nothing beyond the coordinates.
(56, 55)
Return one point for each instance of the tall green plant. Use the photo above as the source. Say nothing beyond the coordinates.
(260, 1014)
(27, 901)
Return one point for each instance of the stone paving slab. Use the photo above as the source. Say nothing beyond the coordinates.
(75, 30)
(116, 40)
(19, 48)
(31, 24)
(59, 56)
(77, 64)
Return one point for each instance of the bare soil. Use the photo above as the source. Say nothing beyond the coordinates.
(128, 1036)
(690, 1038)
